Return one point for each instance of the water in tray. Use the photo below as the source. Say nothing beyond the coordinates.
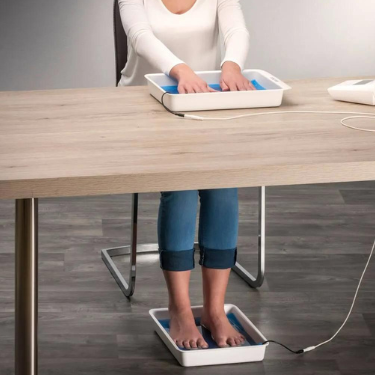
(173, 89)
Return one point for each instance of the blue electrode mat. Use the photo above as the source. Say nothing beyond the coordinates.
(173, 89)
(207, 334)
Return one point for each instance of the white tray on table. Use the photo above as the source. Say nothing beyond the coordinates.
(270, 97)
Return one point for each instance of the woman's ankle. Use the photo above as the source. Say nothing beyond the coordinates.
(179, 308)
(211, 311)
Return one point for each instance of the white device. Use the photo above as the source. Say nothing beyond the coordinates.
(355, 91)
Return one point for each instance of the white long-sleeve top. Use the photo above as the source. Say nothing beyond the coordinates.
(159, 39)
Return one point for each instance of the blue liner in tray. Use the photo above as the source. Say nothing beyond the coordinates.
(173, 89)
(207, 334)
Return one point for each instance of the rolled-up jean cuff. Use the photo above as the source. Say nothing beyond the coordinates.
(218, 259)
(181, 260)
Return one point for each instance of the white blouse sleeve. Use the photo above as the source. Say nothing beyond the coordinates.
(141, 37)
(235, 34)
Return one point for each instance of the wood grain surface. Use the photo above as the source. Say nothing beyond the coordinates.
(120, 140)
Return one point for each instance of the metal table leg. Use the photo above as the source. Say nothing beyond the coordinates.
(128, 287)
(26, 287)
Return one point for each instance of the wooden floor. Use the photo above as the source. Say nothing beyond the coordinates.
(318, 241)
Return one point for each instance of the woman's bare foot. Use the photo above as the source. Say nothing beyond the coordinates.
(183, 330)
(221, 330)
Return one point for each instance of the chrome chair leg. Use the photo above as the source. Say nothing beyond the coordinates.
(107, 254)
(128, 287)
(256, 282)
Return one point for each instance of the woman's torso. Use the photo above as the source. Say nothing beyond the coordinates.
(191, 36)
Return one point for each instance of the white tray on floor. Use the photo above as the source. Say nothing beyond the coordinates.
(270, 97)
(219, 356)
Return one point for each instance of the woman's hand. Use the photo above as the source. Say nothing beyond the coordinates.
(232, 78)
(188, 81)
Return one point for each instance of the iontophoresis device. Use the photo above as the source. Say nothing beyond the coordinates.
(355, 91)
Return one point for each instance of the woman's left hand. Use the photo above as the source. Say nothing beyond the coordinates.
(232, 78)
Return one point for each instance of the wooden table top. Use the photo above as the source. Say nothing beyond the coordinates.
(120, 140)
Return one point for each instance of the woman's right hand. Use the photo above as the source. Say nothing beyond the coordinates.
(188, 81)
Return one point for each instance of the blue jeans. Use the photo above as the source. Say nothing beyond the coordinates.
(218, 228)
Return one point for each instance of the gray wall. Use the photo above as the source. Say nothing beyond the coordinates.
(68, 43)
(56, 44)
(312, 38)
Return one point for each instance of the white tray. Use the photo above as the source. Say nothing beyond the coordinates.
(270, 97)
(219, 356)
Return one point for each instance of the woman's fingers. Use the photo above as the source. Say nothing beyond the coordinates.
(251, 86)
(210, 89)
(186, 88)
(202, 87)
(233, 80)
(244, 85)
(207, 88)
(197, 89)
(248, 86)
(181, 90)
(189, 89)
(232, 86)
(241, 86)
(224, 86)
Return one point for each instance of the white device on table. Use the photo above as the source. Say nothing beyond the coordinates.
(355, 91)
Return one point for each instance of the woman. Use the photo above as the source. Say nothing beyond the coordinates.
(178, 37)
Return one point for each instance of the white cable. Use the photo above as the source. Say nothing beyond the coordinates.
(343, 121)
(354, 127)
(351, 308)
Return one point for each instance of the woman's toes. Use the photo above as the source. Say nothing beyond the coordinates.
(202, 344)
(186, 344)
(180, 343)
(221, 343)
(193, 344)
(238, 341)
(231, 341)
